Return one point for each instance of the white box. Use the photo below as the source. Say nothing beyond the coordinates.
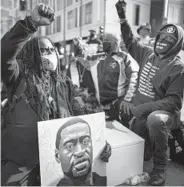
(127, 154)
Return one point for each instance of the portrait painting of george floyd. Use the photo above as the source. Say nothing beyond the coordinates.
(69, 151)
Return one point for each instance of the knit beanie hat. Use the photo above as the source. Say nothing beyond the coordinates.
(170, 30)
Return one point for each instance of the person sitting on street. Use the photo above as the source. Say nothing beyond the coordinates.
(114, 74)
(159, 94)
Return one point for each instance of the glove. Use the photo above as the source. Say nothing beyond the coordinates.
(121, 9)
(113, 112)
(42, 15)
(106, 153)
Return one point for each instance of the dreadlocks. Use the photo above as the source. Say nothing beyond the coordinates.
(51, 91)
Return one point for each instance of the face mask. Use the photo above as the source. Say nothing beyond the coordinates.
(50, 62)
(163, 46)
(164, 43)
(106, 47)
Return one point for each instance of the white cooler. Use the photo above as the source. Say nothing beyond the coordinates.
(127, 154)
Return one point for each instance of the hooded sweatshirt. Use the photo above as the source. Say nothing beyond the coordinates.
(161, 79)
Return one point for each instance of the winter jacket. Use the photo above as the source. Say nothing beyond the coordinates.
(161, 80)
(114, 76)
(19, 137)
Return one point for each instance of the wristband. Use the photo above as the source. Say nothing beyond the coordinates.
(122, 20)
(31, 24)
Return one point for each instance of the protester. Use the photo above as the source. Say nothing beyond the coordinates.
(78, 73)
(36, 91)
(60, 50)
(94, 43)
(144, 31)
(114, 74)
(159, 94)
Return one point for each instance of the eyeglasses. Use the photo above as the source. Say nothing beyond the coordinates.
(167, 37)
(48, 50)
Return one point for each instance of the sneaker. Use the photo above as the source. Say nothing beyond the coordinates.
(157, 177)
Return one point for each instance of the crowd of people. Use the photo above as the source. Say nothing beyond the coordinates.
(141, 87)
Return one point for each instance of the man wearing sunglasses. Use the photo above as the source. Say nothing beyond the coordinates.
(158, 98)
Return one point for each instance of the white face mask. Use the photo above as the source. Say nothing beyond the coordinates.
(50, 62)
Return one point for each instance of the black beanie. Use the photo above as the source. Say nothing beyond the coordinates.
(170, 30)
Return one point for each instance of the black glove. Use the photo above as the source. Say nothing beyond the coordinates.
(113, 112)
(121, 9)
(106, 153)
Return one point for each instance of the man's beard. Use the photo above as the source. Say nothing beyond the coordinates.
(85, 167)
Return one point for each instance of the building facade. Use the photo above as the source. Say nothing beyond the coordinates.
(81, 15)
(166, 11)
(6, 20)
(75, 17)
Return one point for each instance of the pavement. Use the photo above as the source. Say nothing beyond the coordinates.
(174, 174)
(175, 171)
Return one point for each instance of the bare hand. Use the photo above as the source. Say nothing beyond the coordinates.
(42, 15)
(126, 107)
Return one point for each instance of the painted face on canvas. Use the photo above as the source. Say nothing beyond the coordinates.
(48, 54)
(75, 151)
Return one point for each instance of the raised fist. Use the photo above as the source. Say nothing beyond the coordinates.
(121, 9)
(42, 15)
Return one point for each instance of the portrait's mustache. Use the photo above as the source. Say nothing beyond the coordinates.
(81, 164)
(81, 159)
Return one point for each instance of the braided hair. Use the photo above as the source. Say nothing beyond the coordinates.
(42, 84)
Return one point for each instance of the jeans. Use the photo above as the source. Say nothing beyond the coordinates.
(154, 129)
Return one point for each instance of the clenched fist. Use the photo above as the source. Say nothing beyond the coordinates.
(121, 9)
(42, 15)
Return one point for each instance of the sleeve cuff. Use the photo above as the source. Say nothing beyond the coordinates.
(30, 25)
(121, 20)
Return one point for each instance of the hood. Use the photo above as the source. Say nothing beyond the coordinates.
(178, 46)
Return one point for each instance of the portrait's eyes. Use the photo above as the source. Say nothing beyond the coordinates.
(69, 146)
(52, 50)
(43, 50)
(86, 141)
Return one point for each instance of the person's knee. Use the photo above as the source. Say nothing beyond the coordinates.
(157, 119)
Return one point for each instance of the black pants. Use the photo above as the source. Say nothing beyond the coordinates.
(13, 174)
